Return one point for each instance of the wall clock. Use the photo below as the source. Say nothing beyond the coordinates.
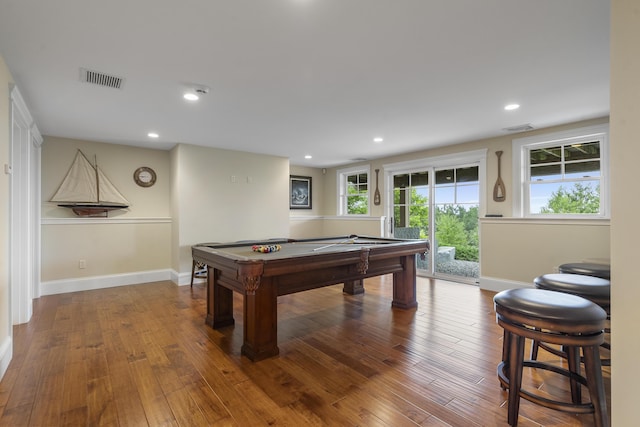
(144, 176)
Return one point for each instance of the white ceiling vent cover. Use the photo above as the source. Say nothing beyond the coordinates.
(519, 128)
(100, 79)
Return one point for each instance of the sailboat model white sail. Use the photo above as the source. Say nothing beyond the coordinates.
(87, 190)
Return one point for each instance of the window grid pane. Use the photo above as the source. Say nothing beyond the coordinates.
(587, 151)
(565, 179)
(455, 185)
(357, 197)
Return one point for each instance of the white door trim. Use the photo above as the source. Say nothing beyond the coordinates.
(24, 236)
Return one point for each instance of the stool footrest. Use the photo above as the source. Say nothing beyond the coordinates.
(576, 408)
(561, 353)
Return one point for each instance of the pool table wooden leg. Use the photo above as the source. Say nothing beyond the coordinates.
(404, 284)
(354, 287)
(261, 322)
(219, 302)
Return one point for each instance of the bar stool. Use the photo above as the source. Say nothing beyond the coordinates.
(558, 318)
(595, 289)
(199, 269)
(587, 269)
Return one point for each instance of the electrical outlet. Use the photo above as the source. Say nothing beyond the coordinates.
(82, 264)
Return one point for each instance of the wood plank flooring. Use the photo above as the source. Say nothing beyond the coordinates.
(142, 355)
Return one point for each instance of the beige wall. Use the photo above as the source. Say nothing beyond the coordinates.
(321, 220)
(195, 199)
(318, 179)
(175, 202)
(118, 162)
(309, 223)
(513, 250)
(225, 195)
(134, 240)
(107, 249)
(625, 232)
(5, 328)
(303, 227)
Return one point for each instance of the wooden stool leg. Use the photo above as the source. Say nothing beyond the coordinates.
(535, 346)
(573, 360)
(593, 371)
(506, 340)
(534, 350)
(193, 271)
(516, 359)
(505, 345)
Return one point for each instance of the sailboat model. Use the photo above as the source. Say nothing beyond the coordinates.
(87, 190)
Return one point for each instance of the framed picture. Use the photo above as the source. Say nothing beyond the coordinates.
(300, 192)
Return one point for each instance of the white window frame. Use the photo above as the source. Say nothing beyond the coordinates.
(341, 179)
(520, 161)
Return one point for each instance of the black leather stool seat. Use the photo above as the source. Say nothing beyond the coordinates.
(568, 320)
(587, 268)
(539, 307)
(594, 289)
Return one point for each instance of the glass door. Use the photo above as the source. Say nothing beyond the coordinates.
(441, 205)
(455, 203)
(411, 195)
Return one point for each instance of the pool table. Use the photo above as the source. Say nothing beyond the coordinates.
(296, 266)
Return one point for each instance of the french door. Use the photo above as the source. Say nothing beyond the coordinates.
(440, 203)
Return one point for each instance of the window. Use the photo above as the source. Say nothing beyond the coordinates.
(562, 175)
(353, 191)
(457, 186)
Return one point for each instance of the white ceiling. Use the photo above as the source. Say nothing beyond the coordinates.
(318, 77)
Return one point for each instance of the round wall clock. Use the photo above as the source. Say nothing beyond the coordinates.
(144, 176)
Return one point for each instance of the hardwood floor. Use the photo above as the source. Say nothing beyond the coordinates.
(142, 355)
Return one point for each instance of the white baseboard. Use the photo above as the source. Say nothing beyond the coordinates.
(498, 285)
(98, 282)
(6, 353)
(183, 279)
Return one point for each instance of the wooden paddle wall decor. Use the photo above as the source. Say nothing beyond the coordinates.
(499, 192)
(376, 195)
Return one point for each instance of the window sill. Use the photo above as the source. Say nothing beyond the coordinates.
(550, 221)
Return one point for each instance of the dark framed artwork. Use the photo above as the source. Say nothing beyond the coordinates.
(299, 192)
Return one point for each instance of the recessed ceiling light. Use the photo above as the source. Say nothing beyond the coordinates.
(378, 139)
(153, 135)
(194, 92)
(510, 107)
(308, 156)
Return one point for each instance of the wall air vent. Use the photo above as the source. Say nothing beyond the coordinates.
(519, 128)
(100, 79)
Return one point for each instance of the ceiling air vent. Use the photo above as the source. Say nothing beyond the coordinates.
(519, 128)
(100, 79)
